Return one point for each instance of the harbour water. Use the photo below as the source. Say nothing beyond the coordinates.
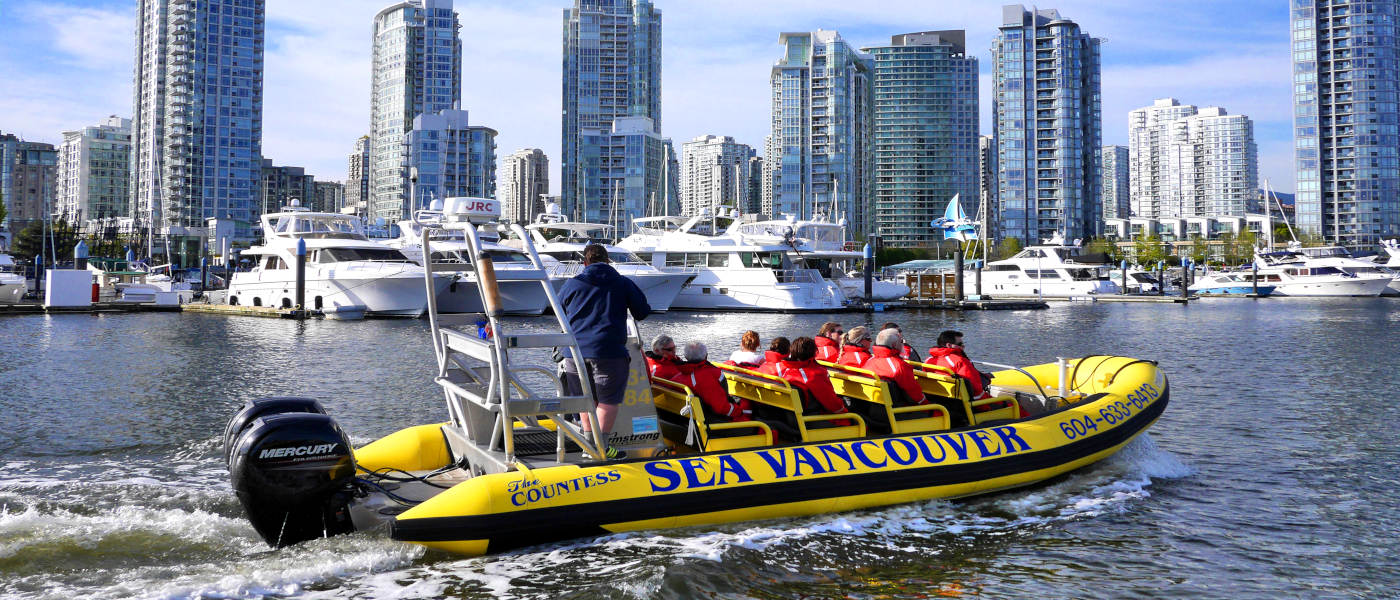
(1273, 472)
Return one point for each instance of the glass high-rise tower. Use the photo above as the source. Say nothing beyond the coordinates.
(1346, 75)
(612, 70)
(821, 157)
(196, 127)
(925, 132)
(1048, 126)
(417, 70)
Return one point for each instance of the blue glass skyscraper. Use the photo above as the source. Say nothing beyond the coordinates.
(612, 70)
(1048, 126)
(417, 70)
(925, 131)
(820, 142)
(1346, 75)
(196, 132)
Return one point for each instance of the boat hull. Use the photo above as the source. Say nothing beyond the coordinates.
(518, 297)
(12, 292)
(391, 295)
(492, 513)
(1235, 290)
(1339, 286)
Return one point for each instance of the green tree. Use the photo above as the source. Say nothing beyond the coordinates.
(1006, 248)
(3, 211)
(1199, 251)
(1150, 249)
(34, 238)
(1105, 247)
(1311, 239)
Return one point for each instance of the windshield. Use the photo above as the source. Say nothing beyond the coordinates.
(319, 228)
(332, 255)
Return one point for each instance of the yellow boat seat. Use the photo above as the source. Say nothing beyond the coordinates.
(676, 404)
(952, 391)
(778, 394)
(876, 400)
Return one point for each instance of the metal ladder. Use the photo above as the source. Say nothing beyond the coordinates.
(486, 394)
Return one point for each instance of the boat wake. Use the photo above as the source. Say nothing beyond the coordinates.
(58, 537)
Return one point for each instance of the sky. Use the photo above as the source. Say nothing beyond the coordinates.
(67, 64)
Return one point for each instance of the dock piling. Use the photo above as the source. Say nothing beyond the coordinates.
(958, 273)
(301, 279)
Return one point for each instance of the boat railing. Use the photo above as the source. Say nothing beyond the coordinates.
(1063, 387)
(486, 394)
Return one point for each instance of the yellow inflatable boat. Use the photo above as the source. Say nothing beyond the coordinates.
(513, 466)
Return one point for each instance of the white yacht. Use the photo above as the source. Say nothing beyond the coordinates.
(1293, 273)
(344, 269)
(822, 245)
(1340, 257)
(1055, 269)
(1140, 281)
(461, 295)
(560, 244)
(731, 272)
(1392, 262)
(13, 284)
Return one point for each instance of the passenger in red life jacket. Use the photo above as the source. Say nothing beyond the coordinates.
(887, 363)
(802, 371)
(855, 347)
(949, 353)
(747, 355)
(828, 341)
(907, 352)
(661, 359)
(773, 358)
(707, 381)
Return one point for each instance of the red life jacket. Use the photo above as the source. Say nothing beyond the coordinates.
(826, 349)
(888, 365)
(772, 363)
(855, 356)
(908, 353)
(661, 367)
(953, 358)
(812, 377)
(707, 381)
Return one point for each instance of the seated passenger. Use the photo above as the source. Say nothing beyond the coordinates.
(855, 347)
(747, 355)
(888, 365)
(828, 340)
(907, 352)
(800, 368)
(661, 359)
(772, 359)
(949, 353)
(707, 381)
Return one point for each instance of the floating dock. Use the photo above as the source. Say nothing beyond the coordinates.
(979, 304)
(96, 308)
(270, 312)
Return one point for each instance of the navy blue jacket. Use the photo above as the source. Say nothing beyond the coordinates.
(596, 302)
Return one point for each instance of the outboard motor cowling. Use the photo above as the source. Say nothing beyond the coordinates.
(293, 473)
(259, 407)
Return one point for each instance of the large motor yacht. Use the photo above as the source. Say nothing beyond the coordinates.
(1293, 272)
(461, 296)
(13, 285)
(1055, 269)
(731, 271)
(344, 269)
(822, 245)
(560, 243)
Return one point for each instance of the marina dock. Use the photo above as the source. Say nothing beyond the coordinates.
(100, 307)
(251, 311)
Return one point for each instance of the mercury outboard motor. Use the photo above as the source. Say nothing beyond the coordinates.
(259, 407)
(294, 474)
